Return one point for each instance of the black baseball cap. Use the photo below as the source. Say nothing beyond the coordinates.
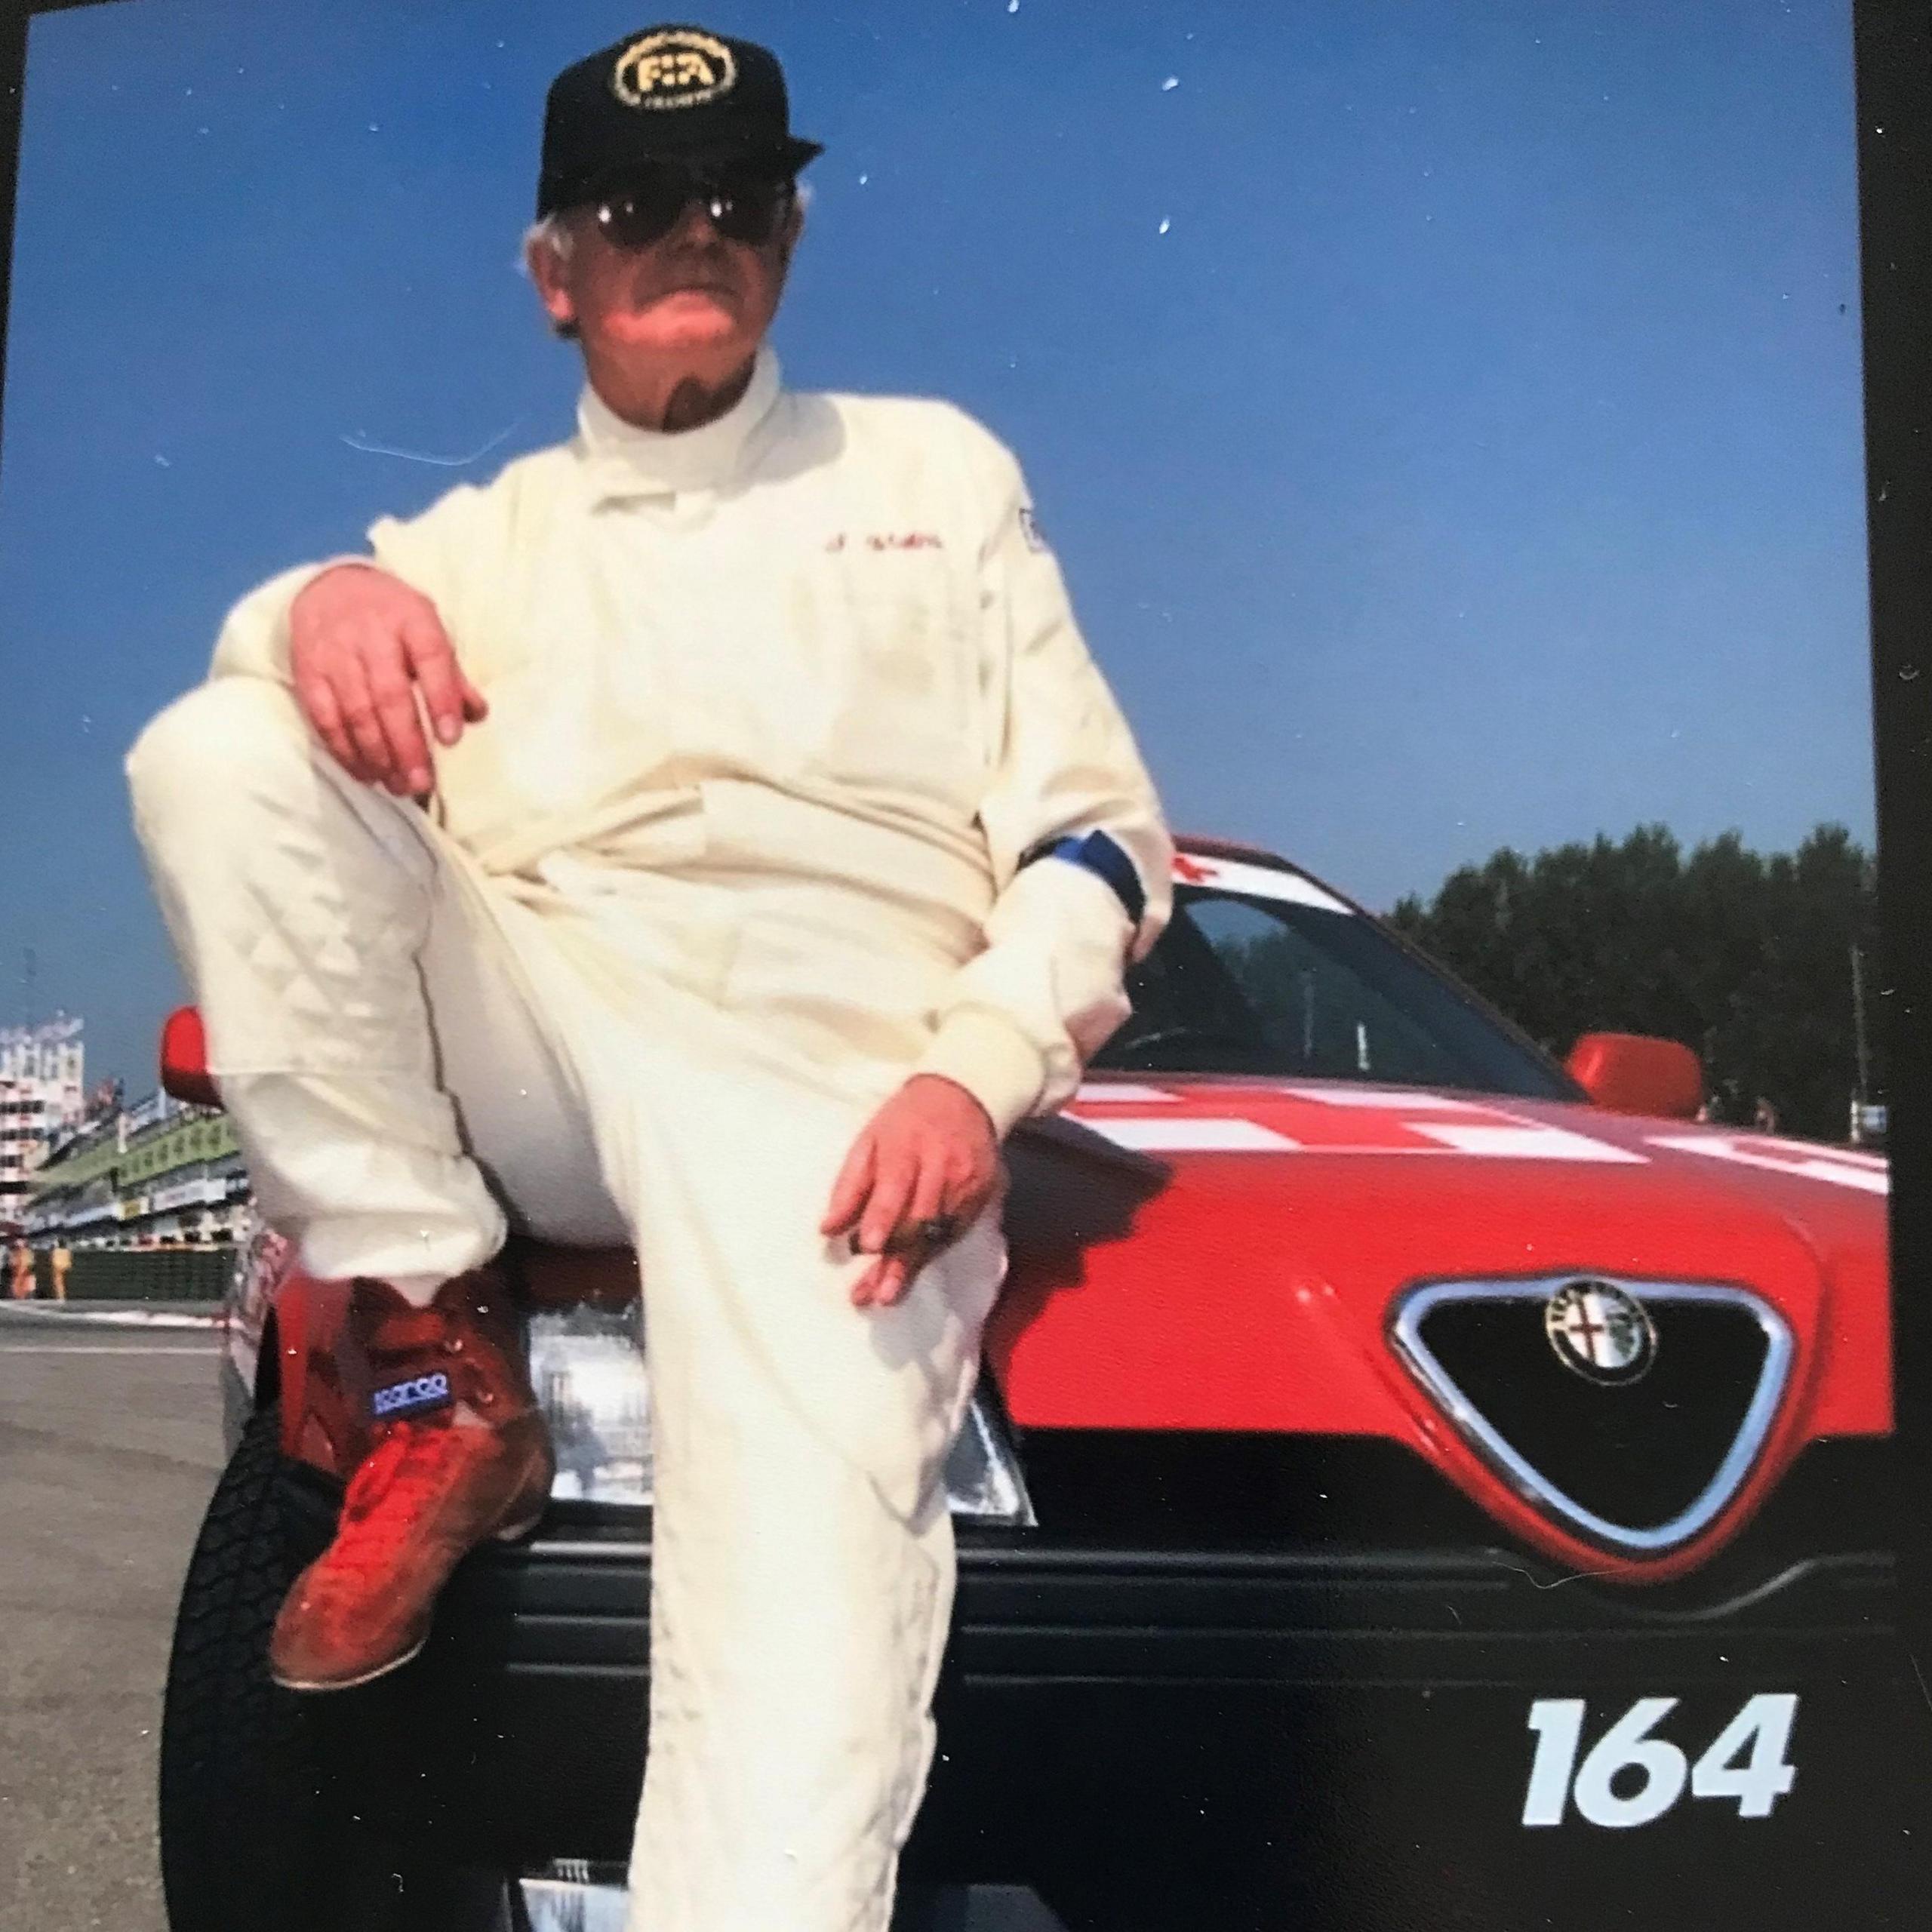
(670, 93)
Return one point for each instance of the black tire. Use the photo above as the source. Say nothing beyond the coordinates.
(248, 1840)
(255, 1836)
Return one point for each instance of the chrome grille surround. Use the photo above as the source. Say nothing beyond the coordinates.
(1413, 1306)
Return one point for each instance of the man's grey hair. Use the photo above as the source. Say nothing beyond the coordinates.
(549, 233)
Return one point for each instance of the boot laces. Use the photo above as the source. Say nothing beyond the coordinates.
(383, 1509)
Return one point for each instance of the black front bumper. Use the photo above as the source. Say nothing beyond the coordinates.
(1161, 1736)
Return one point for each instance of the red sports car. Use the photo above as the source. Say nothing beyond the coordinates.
(1413, 1483)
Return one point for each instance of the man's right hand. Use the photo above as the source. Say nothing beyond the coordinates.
(362, 645)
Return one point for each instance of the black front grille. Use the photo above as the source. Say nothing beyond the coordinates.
(1638, 1454)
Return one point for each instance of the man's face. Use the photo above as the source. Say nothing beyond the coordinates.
(693, 302)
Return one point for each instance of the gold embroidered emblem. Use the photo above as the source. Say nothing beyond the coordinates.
(673, 69)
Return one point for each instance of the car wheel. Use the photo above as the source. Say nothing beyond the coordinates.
(248, 1837)
(247, 1832)
(253, 1833)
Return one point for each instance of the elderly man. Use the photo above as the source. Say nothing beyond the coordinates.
(773, 847)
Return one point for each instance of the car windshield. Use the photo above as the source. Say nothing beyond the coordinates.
(1302, 985)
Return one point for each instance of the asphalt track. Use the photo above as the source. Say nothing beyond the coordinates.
(110, 1442)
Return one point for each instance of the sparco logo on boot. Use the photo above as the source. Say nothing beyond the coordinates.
(1600, 1331)
(423, 1391)
(674, 69)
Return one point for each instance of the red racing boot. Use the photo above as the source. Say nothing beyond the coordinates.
(459, 1453)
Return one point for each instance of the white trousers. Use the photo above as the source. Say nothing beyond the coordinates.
(413, 1058)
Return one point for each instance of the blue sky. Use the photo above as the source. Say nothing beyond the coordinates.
(1446, 411)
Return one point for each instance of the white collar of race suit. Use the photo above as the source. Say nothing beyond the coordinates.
(623, 460)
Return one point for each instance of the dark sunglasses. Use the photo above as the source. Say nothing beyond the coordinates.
(744, 205)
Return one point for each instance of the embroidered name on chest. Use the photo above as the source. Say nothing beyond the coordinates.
(884, 540)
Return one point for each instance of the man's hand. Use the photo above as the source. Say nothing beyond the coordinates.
(361, 644)
(926, 1163)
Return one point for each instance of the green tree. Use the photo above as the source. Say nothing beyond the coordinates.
(1745, 958)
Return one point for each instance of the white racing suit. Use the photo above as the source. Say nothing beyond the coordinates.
(782, 711)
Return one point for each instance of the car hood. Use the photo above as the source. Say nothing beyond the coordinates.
(1200, 1252)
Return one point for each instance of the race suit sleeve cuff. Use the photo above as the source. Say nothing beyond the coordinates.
(989, 1056)
(253, 642)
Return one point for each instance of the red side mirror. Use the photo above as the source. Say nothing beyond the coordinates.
(184, 1059)
(1630, 1073)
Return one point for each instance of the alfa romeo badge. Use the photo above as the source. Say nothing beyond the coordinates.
(1600, 1331)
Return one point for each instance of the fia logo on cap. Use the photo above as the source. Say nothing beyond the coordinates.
(675, 68)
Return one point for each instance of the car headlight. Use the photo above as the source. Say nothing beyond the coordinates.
(588, 1373)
